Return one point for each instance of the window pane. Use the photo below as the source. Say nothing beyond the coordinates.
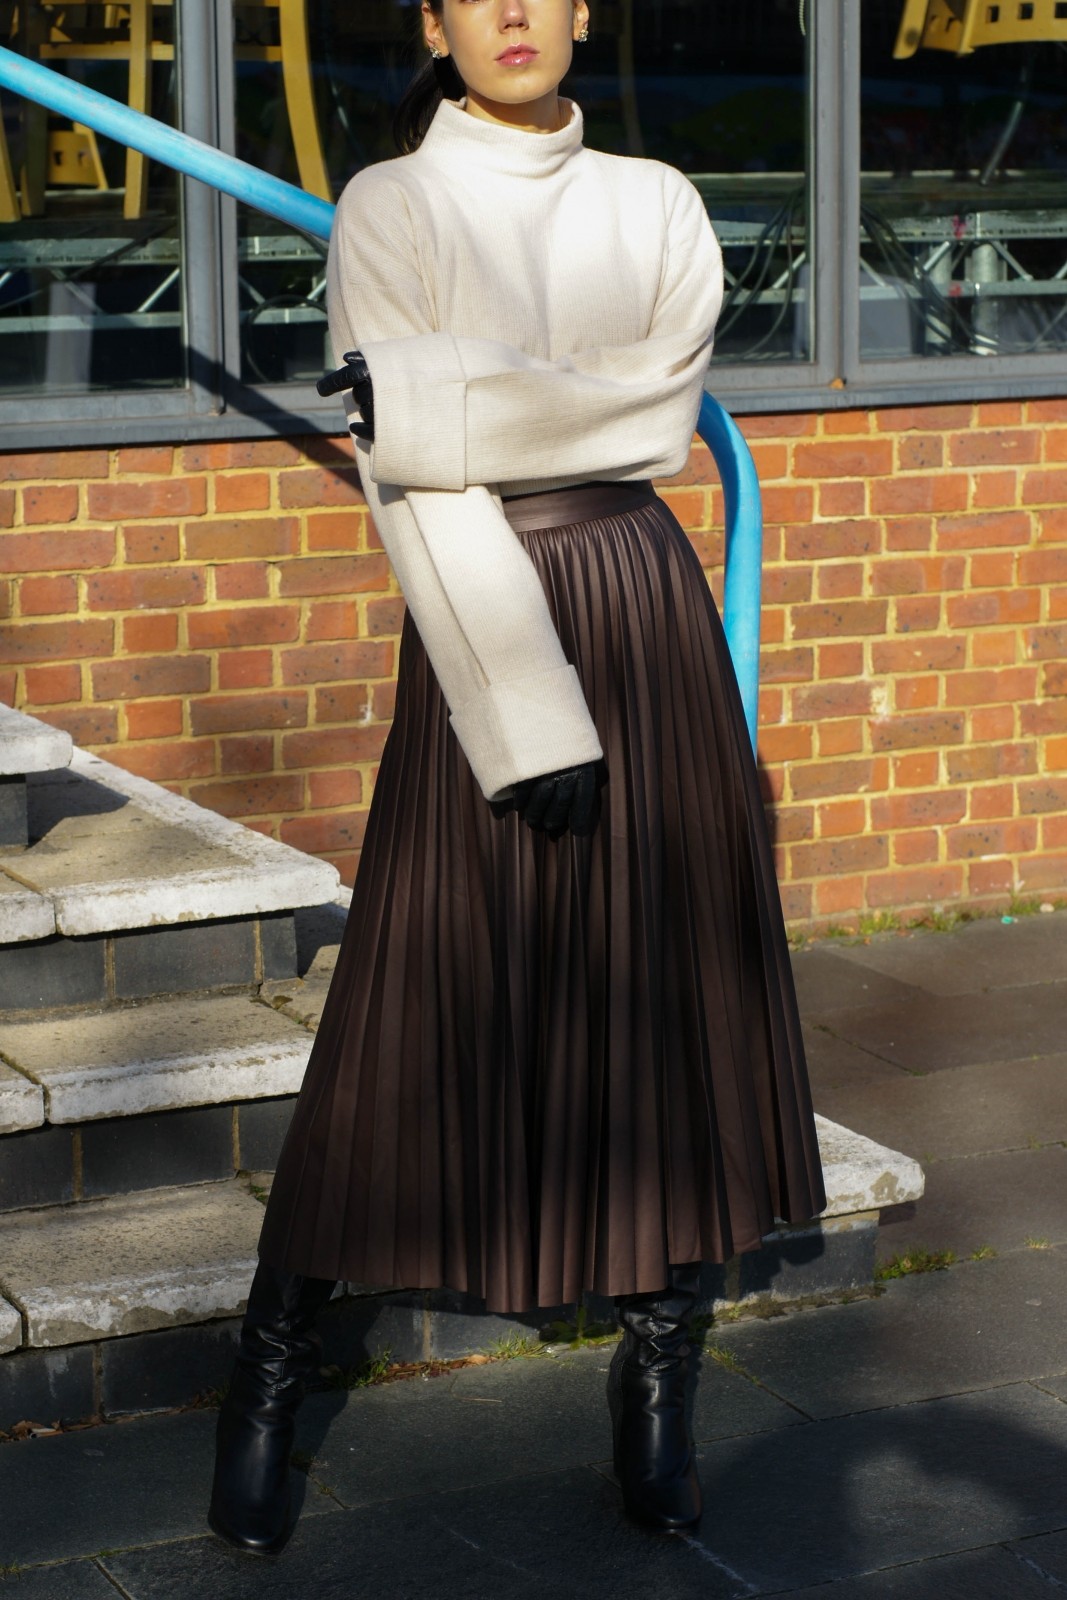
(721, 93)
(964, 158)
(723, 99)
(90, 288)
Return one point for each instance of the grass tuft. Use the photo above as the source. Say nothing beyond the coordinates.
(580, 1333)
(726, 1358)
(912, 1260)
(513, 1347)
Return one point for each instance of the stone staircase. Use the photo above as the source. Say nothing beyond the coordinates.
(139, 1070)
(162, 971)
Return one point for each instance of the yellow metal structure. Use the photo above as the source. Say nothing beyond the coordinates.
(74, 158)
(80, 30)
(963, 26)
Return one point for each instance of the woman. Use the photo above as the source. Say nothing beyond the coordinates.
(561, 1049)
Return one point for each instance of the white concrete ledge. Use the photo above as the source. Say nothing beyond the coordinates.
(28, 745)
(24, 913)
(204, 1050)
(10, 1328)
(21, 1102)
(861, 1175)
(119, 852)
(111, 1267)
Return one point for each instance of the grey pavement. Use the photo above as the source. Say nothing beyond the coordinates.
(904, 1445)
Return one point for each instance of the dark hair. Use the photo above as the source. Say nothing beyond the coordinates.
(436, 81)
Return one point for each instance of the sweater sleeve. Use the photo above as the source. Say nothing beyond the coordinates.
(497, 414)
(515, 703)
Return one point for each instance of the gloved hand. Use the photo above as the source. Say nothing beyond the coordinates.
(561, 800)
(354, 375)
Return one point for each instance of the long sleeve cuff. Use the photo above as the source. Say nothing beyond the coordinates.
(420, 420)
(525, 727)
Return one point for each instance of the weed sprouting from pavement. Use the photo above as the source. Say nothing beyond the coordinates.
(912, 1260)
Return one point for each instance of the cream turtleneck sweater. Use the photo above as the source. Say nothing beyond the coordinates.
(533, 314)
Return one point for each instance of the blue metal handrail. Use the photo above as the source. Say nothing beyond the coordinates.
(744, 548)
(180, 150)
(744, 518)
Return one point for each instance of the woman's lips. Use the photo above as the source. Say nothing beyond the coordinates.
(516, 58)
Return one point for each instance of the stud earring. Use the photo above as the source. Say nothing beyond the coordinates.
(583, 36)
(437, 55)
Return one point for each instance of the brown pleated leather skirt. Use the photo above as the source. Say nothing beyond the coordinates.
(553, 1065)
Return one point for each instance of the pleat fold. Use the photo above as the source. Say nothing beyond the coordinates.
(546, 1066)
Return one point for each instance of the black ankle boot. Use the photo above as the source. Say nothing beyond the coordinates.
(277, 1354)
(646, 1394)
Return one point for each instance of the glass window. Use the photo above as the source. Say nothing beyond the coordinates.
(720, 92)
(315, 88)
(964, 176)
(90, 270)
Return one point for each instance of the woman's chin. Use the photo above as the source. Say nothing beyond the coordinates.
(514, 85)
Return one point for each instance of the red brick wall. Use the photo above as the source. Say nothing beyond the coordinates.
(222, 618)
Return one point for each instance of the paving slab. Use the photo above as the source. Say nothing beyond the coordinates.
(126, 1483)
(128, 1265)
(985, 954)
(935, 1032)
(1001, 1199)
(1003, 1105)
(833, 1063)
(29, 745)
(73, 1580)
(1047, 1553)
(506, 1420)
(826, 980)
(840, 1498)
(24, 913)
(991, 1573)
(21, 1101)
(522, 1539)
(116, 851)
(973, 1326)
(201, 1050)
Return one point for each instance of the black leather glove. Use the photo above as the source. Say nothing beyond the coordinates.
(561, 800)
(354, 375)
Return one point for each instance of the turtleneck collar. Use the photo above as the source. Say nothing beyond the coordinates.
(454, 135)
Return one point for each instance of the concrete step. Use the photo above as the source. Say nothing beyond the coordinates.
(29, 745)
(126, 890)
(26, 745)
(179, 1255)
(21, 1101)
(79, 1273)
(129, 1060)
(111, 851)
(132, 1302)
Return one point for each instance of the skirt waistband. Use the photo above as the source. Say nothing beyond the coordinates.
(578, 502)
